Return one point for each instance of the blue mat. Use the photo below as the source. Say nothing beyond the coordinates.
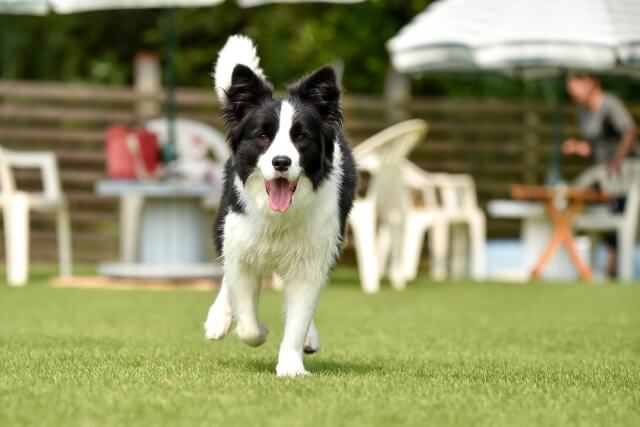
(508, 254)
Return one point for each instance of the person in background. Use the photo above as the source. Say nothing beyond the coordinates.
(608, 134)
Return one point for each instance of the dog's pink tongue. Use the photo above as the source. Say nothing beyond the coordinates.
(280, 195)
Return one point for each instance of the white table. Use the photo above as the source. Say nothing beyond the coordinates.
(164, 229)
(536, 229)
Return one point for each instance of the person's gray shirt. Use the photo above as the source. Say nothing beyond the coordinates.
(603, 128)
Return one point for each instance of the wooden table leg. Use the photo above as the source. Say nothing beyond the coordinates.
(583, 269)
(562, 234)
(554, 242)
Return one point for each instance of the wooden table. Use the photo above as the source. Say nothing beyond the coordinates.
(561, 218)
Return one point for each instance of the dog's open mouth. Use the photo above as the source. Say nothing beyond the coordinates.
(280, 192)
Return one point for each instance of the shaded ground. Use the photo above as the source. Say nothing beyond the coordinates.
(436, 354)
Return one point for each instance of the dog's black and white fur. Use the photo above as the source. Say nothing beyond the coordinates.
(289, 187)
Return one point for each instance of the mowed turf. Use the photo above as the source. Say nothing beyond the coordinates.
(435, 354)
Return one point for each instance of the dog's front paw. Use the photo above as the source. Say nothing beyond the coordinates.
(290, 365)
(217, 324)
(253, 337)
(284, 372)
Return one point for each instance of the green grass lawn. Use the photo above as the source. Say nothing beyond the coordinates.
(436, 354)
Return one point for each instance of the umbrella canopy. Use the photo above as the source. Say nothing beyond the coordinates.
(499, 34)
(71, 6)
(252, 3)
(41, 7)
(24, 7)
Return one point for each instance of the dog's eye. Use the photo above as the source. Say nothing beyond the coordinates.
(263, 138)
(299, 138)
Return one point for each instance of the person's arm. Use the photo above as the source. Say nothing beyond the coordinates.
(575, 146)
(626, 143)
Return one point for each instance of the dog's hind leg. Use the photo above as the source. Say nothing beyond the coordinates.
(312, 342)
(301, 302)
(220, 315)
(244, 289)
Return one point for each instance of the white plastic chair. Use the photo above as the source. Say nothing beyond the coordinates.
(466, 225)
(626, 182)
(186, 129)
(450, 210)
(425, 214)
(384, 206)
(16, 205)
(131, 205)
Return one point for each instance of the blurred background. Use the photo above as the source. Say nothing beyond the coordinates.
(67, 78)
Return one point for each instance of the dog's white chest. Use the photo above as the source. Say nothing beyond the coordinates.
(303, 240)
(268, 249)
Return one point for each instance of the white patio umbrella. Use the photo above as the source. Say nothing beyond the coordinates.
(502, 34)
(521, 35)
(73, 6)
(41, 7)
(68, 6)
(24, 7)
(252, 3)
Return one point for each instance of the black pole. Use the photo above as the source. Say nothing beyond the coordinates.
(170, 104)
(554, 174)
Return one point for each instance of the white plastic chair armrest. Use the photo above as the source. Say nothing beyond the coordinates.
(589, 177)
(43, 160)
(368, 164)
(415, 177)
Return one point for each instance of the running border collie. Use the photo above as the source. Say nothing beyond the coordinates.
(288, 189)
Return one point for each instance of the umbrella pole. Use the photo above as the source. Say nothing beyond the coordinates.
(554, 174)
(170, 104)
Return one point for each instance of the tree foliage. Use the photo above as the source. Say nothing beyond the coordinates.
(293, 39)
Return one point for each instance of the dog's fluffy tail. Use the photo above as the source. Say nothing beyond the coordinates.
(238, 49)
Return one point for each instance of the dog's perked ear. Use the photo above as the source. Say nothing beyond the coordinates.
(247, 91)
(320, 89)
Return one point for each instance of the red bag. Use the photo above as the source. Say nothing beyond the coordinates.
(131, 153)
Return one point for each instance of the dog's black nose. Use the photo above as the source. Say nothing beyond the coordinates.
(281, 163)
